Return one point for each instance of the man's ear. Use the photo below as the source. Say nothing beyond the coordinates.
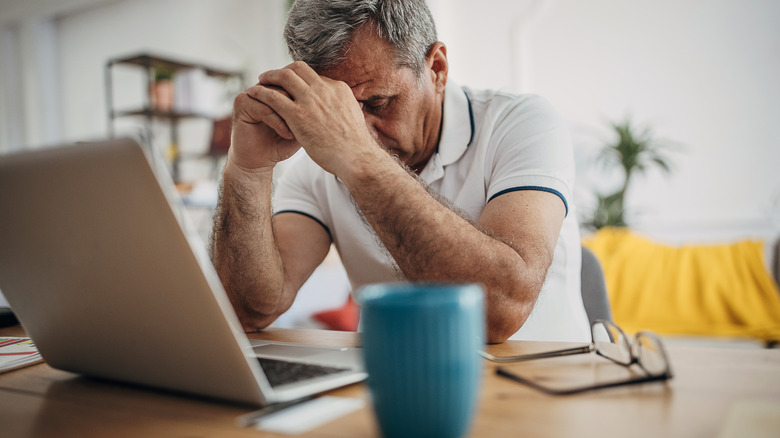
(437, 65)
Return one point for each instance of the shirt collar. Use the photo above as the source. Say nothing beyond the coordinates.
(457, 131)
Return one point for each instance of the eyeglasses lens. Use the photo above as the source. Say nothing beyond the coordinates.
(649, 354)
(611, 343)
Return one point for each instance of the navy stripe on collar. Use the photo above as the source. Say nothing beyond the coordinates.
(471, 118)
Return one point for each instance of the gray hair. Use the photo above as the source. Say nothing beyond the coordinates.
(319, 32)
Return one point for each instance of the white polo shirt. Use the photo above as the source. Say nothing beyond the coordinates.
(492, 143)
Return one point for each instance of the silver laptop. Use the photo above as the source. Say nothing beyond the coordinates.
(99, 263)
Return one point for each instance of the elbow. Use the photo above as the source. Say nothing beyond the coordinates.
(255, 307)
(253, 313)
(253, 321)
(505, 316)
(499, 330)
(508, 309)
(497, 337)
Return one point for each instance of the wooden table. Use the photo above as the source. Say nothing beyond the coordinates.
(715, 392)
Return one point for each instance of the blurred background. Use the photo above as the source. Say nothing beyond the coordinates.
(700, 77)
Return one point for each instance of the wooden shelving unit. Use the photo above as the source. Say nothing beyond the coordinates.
(148, 64)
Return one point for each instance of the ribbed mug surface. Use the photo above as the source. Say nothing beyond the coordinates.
(421, 344)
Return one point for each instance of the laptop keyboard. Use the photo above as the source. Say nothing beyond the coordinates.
(280, 372)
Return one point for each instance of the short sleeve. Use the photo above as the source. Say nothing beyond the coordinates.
(297, 190)
(531, 150)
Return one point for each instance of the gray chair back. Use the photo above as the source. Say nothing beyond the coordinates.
(594, 288)
(776, 261)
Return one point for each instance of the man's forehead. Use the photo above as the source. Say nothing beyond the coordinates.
(369, 63)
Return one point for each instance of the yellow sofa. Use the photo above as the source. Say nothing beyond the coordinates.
(718, 290)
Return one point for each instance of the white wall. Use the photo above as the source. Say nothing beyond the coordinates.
(232, 34)
(705, 73)
(240, 35)
(52, 84)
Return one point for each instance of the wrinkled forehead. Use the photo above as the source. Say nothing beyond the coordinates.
(369, 67)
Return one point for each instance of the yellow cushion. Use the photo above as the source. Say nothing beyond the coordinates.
(722, 290)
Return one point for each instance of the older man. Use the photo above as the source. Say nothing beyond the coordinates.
(409, 175)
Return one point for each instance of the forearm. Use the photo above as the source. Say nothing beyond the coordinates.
(431, 242)
(244, 250)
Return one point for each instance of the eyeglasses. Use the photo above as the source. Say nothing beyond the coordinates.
(609, 341)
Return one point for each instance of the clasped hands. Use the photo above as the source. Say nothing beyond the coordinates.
(295, 107)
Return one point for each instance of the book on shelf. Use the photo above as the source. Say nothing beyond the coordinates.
(17, 352)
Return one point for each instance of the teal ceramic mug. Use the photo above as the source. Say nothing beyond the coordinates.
(421, 343)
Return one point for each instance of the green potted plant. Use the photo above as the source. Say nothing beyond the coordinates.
(162, 89)
(635, 151)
